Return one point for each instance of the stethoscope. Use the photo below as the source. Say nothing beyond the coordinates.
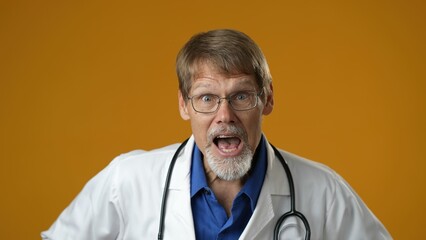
(292, 213)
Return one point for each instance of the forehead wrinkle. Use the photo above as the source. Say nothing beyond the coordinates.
(207, 76)
(203, 66)
(201, 84)
(235, 82)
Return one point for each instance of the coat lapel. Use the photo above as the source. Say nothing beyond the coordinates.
(178, 209)
(275, 189)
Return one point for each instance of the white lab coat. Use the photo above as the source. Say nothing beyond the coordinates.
(123, 202)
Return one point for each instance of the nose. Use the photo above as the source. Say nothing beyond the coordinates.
(225, 113)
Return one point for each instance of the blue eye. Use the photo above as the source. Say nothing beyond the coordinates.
(241, 96)
(206, 98)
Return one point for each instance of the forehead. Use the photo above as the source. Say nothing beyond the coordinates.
(209, 75)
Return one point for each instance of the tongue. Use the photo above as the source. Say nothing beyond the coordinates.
(228, 143)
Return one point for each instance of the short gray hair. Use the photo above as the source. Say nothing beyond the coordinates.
(230, 51)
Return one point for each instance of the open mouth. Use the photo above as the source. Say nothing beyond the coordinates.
(227, 144)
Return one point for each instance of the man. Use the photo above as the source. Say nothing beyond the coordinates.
(227, 182)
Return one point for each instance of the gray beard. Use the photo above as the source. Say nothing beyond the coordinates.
(231, 168)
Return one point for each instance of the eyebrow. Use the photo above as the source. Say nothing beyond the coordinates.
(244, 81)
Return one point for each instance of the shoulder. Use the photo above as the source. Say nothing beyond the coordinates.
(324, 197)
(158, 156)
(319, 178)
(139, 165)
(304, 167)
(323, 182)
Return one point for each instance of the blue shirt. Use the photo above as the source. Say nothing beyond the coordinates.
(210, 218)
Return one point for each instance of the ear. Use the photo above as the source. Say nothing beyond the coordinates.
(269, 104)
(183, 106)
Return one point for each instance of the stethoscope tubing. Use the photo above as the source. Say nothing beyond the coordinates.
(293, 212)
(165, 190)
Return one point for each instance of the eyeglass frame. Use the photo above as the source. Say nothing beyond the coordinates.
(228, 99)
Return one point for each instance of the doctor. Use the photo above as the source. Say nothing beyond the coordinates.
(227, 182)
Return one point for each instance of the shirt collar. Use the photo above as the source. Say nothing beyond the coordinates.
(255, 179)
(198, 176)
(257, 174)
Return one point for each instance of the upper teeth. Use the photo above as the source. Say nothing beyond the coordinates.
(223, 136)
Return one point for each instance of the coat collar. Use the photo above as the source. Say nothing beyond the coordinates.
(182, 170)
(276, 182)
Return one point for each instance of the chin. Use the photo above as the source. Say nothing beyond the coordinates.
(230, 168)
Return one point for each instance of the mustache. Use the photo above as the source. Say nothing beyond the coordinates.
(226, 129)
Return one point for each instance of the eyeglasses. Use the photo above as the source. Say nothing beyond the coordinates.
(240, 101)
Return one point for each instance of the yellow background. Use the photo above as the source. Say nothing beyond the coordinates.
(83, 81)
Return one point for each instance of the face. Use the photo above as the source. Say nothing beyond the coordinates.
(227, 138)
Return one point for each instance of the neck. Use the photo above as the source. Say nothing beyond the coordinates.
(225, 191)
